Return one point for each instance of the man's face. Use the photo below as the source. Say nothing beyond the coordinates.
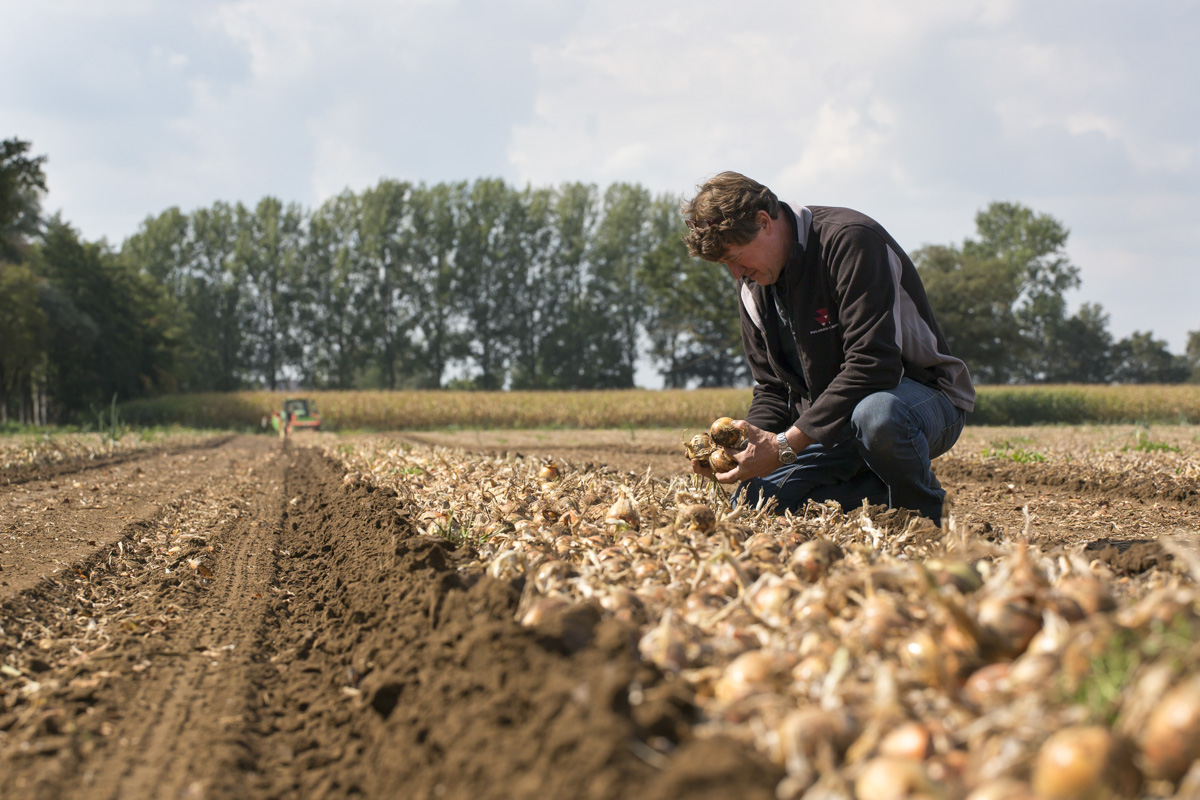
(763, 258)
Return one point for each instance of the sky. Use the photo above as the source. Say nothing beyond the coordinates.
(916, 112)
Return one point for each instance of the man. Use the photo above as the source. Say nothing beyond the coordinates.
(855, 388)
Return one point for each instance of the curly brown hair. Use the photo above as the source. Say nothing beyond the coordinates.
(722, 214)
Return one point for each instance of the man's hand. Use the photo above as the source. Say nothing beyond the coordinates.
(760, 456)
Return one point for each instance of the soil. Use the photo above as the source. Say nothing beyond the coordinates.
(236, 621)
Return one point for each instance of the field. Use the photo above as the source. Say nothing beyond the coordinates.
(568, 613)
(640, 408)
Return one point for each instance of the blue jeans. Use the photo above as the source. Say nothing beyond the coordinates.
(883, 458)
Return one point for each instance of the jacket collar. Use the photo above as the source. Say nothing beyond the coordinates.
(802, 220)
(751, 294)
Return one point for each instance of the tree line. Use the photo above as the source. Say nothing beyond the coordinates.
(466, 285)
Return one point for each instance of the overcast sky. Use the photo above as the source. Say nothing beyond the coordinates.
(917, 112)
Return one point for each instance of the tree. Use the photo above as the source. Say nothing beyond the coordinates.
(973, 296)
(23, 332)
(490, 265)
(113, 329)
(164, 249)
(433, 282)
(268, 253)
(219, 302)
(333, 295)
(1000, 300)
(1033, 245)
(390, 282)
(617, 307)
(568, 276)
(536, 298)
(1193, 356)
(21, 183)
(1082, 348)
(692, 320)
(1140, 358)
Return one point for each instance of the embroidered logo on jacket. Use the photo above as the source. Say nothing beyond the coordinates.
(824, 321)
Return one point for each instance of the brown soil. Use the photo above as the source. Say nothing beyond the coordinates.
(236, 621)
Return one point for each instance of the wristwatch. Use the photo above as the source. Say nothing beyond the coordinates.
(786, 454)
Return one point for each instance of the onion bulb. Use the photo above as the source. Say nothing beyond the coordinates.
(723, 433)
(884, 778)
(623, 511)
(721, 461)
(813, 558)
(1171, 741)
(1083, 762)
(696, 517)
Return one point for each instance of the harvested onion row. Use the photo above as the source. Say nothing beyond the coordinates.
(857, 650)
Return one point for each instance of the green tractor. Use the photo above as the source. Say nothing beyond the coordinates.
(298, 413)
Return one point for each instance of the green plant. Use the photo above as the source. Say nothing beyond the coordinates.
(1019, 454)
(1102, 688)
(1143, 444)
(112, 430)
(457, 534)
(1009, 444)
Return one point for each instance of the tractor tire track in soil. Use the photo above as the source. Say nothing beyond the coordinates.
(1128, 485)
(23, 473)
(275, 632)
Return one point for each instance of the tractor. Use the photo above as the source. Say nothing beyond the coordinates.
(298, 413)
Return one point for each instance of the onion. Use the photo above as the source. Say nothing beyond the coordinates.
(507, 566)
(813, 558)
(1089, 594)
(1083, 762)
(961, 575)
(699, 447)
(541, 609)
(623, 511)
(1033, 671)
(664, 645)
(886, 778)
(750, 673)
(1009, 623)
(768, 601)
(805, 730)
(1172, 737)
(696, 517)
(722, 461)
(724, 434)
(1003, 789)
(551, 574)
(910, 740)
(1089, 641)
(645, 568)
(988, 684)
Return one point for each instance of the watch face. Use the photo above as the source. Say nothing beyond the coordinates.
(786, 454)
